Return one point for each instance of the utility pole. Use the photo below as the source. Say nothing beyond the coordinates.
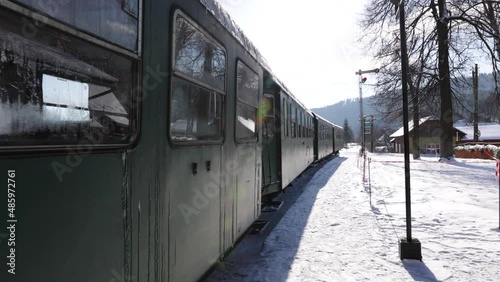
(361, 118)
(475, 85)
(409, 248)
(373, 139)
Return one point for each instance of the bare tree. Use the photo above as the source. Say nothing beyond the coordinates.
(481, 23)
(457, 27)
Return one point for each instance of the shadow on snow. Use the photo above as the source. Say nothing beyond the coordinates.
(245, 261)
(419, 271)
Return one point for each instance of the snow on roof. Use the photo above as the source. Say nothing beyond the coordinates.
(489, 131)
(400, 132)
(337, 126)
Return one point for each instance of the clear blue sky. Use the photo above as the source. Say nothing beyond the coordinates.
(310, 45)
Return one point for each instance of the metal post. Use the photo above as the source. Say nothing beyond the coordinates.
(369, 180)
(363, 148)
(406, 139)
(475, 85)
(409, 248)
(361, 121)
(371, 131)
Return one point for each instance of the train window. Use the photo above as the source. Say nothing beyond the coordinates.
(247, 102)
(196, 113)
(299, 129)
(299, 122)
(285, 115)
(288, 126)
(57, 89)
(115, 21)
(197, 94)
(303, 124)
(309, 127)
(197, 56)
(269, 119)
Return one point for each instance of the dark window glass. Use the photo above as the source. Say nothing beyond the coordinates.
(306, 128)
(299, 122)
(195, 113)
(246, 128)
(286, 117)
(197, 56)
(302, 120)
(114, 20)
(269, 121)
(247, 93)
(309, 130)
(57, 89)
(294, 115)
(197, 96)
(290, 122)
(248, 85)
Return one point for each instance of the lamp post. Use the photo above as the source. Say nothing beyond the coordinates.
(361, 117)
(409, 248)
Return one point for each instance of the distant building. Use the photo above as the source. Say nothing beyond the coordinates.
(430, 136)
(489, 132)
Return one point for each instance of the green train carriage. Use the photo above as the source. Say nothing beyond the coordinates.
(287, 138)
(139, 133)
(324, 141)
(132, 130)
(338, 134)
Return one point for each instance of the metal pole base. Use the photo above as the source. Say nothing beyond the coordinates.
(410, 250)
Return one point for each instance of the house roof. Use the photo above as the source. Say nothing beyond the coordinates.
(489, 131)
(400, 132)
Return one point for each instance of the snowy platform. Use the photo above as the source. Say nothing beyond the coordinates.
(331, 232)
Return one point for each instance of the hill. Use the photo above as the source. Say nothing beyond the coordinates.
(349, 109)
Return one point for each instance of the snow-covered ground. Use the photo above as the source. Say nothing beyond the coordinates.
(333, 233)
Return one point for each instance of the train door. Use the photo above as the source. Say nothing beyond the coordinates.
(196, 134)
(242, 167)
(271, 153)
(316, 138)
(332, 131)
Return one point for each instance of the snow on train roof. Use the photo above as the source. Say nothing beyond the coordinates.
(337, 126)
(327, 121)
(216, 9)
